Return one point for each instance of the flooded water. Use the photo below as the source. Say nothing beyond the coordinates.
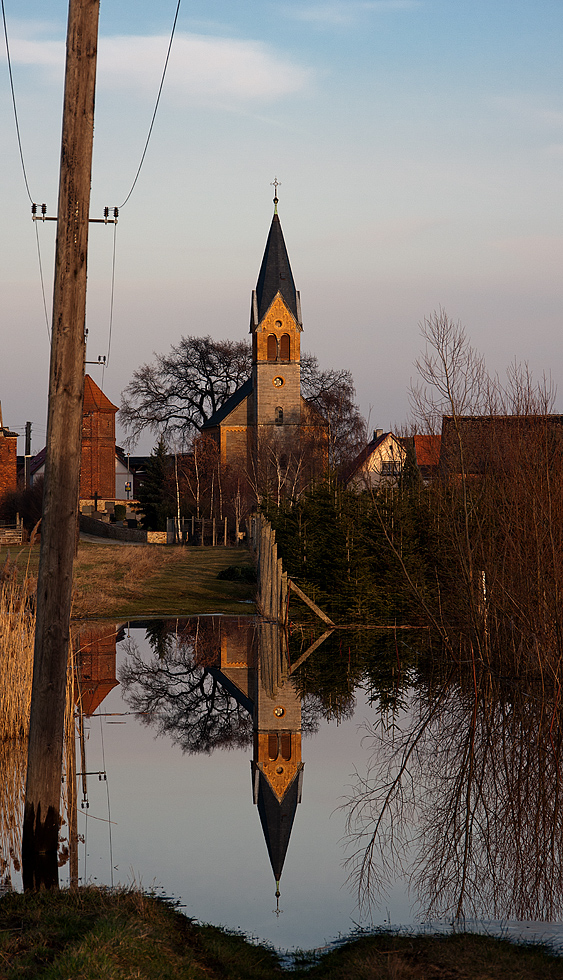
(359, 778)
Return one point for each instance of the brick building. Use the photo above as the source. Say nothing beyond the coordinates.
(98, 463)
(97, 470)
(95, 650)
(8, 459)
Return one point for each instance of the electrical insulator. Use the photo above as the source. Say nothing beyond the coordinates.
(116, 212)
(34, 209)
(43, 209)
(106, 212)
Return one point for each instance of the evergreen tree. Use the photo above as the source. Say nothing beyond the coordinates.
(154, 494)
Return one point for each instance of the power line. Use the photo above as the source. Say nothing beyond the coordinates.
(106, 362)
(107, 792)
(14, 102)
(47, 324)
(156, 105)
(24, 171)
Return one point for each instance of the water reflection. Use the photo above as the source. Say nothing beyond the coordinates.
(463, 797)
(460, 799)
(224, 683)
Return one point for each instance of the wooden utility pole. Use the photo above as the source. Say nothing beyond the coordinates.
(62, 466)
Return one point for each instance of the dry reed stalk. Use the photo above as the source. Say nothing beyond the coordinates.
(17, 636)
(17, 630)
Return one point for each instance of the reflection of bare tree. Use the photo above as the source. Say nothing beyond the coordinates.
(184, 700)
(464, 797)
(183, 693)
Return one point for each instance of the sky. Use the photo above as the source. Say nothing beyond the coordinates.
(419, 146)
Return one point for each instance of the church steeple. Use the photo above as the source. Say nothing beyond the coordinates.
(275, 276)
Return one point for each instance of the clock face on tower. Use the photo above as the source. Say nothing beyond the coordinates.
(278, 382)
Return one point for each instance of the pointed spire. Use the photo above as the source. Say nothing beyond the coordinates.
(275, 272)
(276, 817)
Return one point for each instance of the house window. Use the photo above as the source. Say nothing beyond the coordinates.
(284, 347)
(391, 467)
(272, 347)
(279, 415)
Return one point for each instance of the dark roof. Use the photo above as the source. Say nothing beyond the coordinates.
(135, 462)
(277, 819)
(235, 399)
(275, 273)
(350, 469)
(38, 461)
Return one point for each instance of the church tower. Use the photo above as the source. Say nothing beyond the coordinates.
(266, 427)
(275, 325)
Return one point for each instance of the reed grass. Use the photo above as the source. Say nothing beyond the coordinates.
(17, 630)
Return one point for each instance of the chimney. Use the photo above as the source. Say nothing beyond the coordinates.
(377, 433)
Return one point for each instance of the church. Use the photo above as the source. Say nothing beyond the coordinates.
(267, 417)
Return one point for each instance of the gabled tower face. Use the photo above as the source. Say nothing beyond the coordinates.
(275, 325)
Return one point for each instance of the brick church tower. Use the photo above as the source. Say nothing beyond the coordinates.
(97, 470)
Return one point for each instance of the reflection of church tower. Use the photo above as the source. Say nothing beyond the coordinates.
(254, 670)
(277, 768)
(275, 325)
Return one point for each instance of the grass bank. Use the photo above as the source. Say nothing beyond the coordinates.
(132, 581)
(97, 935)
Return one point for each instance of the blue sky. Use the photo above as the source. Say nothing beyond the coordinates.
(419, 145)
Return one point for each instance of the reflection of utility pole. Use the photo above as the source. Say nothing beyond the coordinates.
(178, 516)
(27, 456)
(62, 465)
(72, 811)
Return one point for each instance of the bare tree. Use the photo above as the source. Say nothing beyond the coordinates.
(463, 797)
(180, 391)
(177, 393)
(452, 379)
(332, 394)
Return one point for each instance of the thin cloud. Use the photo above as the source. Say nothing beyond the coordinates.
(201, 68)
(527, 109)
(337, 12)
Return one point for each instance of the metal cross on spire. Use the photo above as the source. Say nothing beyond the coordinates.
(275, 184)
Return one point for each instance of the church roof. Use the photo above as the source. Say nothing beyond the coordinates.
(235, 399)
(277, 819)
(275, 274)
(94, 398)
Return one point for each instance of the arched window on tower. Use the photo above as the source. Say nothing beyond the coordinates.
(284, 347)
(272, 347)
(285, 745)
(279, 415)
